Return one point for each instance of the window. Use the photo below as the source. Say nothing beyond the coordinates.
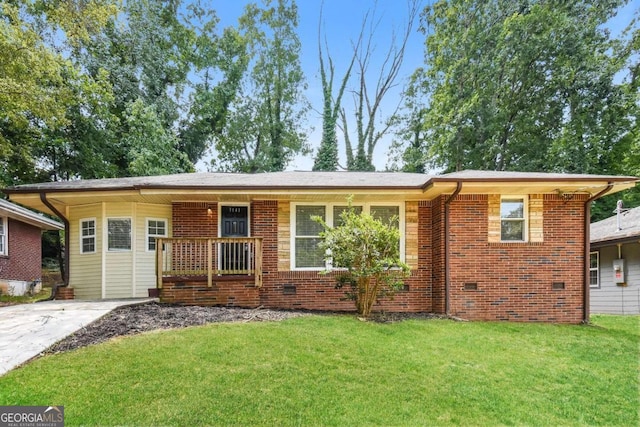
(594, 266)
(155, 228)
(307, 237)
(3, 236)
(119, 231)
(386, 213)
(87, 236)
(513, 219)
(306, 232)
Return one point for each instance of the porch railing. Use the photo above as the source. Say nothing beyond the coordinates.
(178, 257)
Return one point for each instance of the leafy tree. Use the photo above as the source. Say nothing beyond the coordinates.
(262, 129)
(526, 85)
(220, 63)
(36, 38)
(406, 152)
(151, 148)
(146, 56)
(369, 250)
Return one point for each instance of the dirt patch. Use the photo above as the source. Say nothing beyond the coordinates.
(135, 319)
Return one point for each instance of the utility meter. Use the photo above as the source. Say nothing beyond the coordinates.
(618, 271)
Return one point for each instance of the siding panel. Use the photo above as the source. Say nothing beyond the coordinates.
(145, 260)
(85, 269)
(611, 298)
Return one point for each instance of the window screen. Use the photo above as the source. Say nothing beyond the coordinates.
(119, 230)
(308, 253)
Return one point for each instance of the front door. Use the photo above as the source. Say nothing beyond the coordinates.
(234, 257)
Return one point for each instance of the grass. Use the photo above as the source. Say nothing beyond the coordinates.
(336, 370)
(25, 299)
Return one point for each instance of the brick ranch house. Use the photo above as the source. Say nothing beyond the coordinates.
(21, 247)
(481, 245)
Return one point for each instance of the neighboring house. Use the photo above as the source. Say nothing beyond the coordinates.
(481, 245)
(21, 247)
(615, 264)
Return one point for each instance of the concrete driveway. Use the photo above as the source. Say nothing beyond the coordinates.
(26, 330)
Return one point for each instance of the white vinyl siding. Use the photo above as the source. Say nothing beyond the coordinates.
(3, 236)
(145, 259)
(127, 273)
(85, 268)
(305, 253)
(610, 297)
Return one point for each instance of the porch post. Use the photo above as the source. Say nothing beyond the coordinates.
(209, 263)
(159, 244)
(258, 267)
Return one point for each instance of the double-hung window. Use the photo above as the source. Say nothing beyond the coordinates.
(594, 269)
(307, 237)
(156, 228)
(513, 222)
(3, 236)
(119, 234)
(306, 252)
(87, 236)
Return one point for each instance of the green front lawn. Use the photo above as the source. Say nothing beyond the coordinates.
(336, 370)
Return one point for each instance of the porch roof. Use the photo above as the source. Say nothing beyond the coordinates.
(304, 185)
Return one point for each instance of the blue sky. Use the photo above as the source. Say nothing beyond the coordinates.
(341, 24)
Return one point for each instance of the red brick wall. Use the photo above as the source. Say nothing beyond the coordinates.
(437, 259)
(230, 293)
(514, 280)
(312, 290)
(24, 260)
(195, 219)
(286, 289)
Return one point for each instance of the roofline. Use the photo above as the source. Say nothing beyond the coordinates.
(595, 244)
(428, 184)
(19, 213)
(568, 177)
(138, 187)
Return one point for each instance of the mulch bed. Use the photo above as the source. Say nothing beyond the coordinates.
(135, 319)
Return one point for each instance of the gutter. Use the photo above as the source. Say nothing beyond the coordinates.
(67, 240)
(447, 272)
(587, 249)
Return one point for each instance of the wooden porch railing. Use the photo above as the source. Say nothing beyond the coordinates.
(209, 257)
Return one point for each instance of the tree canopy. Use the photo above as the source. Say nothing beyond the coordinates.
(106, 88)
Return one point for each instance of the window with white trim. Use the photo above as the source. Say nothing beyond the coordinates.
(87, 236)
(155, 228)
(513, 219)
(594, 269)
(306, 254)
(119, 234)
(3, 236)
